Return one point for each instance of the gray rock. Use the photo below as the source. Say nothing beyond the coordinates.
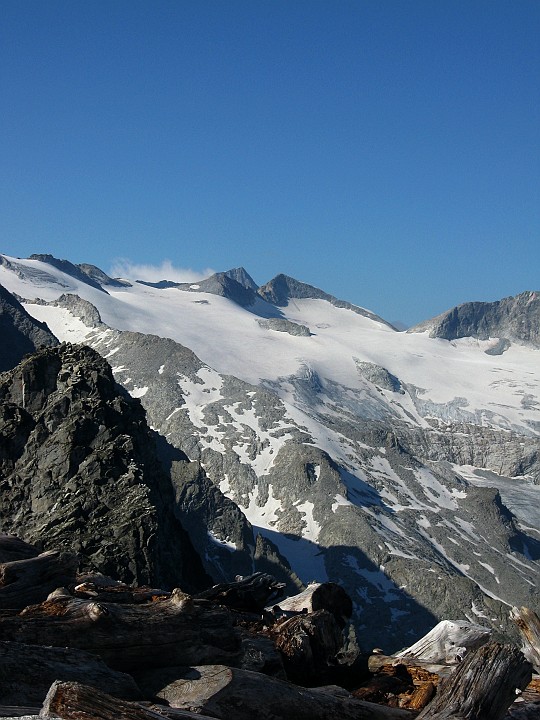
(79, 471)
(283, 325)
(515, 319)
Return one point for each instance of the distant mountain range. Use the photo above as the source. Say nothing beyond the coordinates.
(295, 432)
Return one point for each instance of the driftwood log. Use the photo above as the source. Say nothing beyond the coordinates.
(234, 694)
(27, 672)
(174, 631)
(483, 687)
(420, 670)
(319, 596)
(528, 623)
(74, 701)
(250, 593)
(27, 581)
(448, 642)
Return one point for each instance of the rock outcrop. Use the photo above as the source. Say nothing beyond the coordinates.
(79, 471)
(513, 319)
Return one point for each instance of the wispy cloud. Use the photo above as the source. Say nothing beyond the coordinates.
(125, 268)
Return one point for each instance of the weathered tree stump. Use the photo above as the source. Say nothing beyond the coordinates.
(27, 672)
(73, 701)
(308, 645)
(528, 623)
(482, 687)
(228, 693)
(23, 582)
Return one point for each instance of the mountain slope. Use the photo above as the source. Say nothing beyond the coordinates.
(513, 319)
(365, 455)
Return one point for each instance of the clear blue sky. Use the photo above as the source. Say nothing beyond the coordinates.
(387, 151)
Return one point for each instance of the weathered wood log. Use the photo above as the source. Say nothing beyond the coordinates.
(74, 701)
(419, 670)
(381, 687)
(23, 582)
(483, 686)
(420, 697)
(118, 593)
(178, 630)
(528, 623)
(250, 593)
(309, 645)
(13, 548)
(227, 693)
(448, 642)
(320, 596)
(27, 672)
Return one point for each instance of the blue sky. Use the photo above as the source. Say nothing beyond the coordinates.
(387, 151)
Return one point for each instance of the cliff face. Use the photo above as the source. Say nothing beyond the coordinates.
(78, 470)
(20, 333)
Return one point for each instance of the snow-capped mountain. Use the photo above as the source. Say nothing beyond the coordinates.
(402, 465)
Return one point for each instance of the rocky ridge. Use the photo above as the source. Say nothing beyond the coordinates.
(513, 319)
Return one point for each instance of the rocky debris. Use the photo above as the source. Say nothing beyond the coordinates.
(379, 376)
(515, 319)
(21, 333)
(79, 471)
(284, 325)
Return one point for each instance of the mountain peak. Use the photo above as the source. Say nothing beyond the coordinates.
(242, 277)
(284, 288)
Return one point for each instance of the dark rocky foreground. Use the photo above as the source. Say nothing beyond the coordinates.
(98, 648)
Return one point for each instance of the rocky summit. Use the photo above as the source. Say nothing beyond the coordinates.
(292, 432)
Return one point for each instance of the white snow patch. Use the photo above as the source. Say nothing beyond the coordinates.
(139, 392)
(227, 544)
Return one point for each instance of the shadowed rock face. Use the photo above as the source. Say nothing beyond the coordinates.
(78, 470)
(20, 333)
(512, 319)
